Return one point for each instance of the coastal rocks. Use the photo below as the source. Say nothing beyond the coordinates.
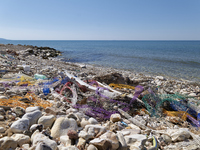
(38, 137)
(95, 130)
(21, 139)
(47, 121)
(7, 143)
(33, 116)
(19, 111)
(135, 140)
(20, 125)
(101, 144)
(112, 138)
(115, 117)
(62, 125)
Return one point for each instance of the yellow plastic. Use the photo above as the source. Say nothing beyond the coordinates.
(121, 86)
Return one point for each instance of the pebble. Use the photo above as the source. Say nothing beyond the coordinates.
(20, 125)
(47, 121)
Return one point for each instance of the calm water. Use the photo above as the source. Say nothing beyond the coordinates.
(179, 59)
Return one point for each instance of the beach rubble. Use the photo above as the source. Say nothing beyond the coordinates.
(46, 103)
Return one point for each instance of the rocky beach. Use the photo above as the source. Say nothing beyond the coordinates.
(49, 104)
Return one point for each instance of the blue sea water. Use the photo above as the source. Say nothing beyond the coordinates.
(178, 59)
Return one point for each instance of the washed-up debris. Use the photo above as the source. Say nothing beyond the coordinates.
(52, 104)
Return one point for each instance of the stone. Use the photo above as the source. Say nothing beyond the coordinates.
(2, 111)
(84, 122)
(132, 139)
(42, 146)
(19, 111)
(21, 139)
(166, 138)
(3, 97)
(81, 143)
(91, 147)
(75, 117)
(35, 127)
(62, 125)
(38, 137)
(32, 109)
(122, 141)
(96, 130)
(180, 134)
(25, 146)
(2, 130)
(130, 131)
(7, 142)
(83, 134)
(112, 138)
(1, 118)
(93, 121)
(20, 125)
(72, 134)
(54, 111)
(101, 144)
(47, 121)
(69, 148)
(115, 117)
(65, 140)
(33, 116)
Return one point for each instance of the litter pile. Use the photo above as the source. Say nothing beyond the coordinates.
(46, 103)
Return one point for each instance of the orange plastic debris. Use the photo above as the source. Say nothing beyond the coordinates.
(34, 101)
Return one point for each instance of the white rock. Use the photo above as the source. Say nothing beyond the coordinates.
(38, 137)
(122, 141)
(31, 109)
(180, 134)
(47, 121)
(42, 146)
(1, 118)
(131, 139)
(69, 148)
(91, 147)
(93, 121)
(3, 97)
(192, 94)
(160, 78)
(65, 140)
(7, 143)
(33, 116)
(62, 125)
(115, 117)
(83, 134)
(84, 122)
(2, 130)
(20, 125)
(112, 138)
(95, 130)
(21, 139)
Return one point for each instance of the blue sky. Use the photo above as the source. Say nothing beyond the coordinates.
(100, 19)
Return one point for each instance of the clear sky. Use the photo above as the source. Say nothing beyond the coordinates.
(100, 19)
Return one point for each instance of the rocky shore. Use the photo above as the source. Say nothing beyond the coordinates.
(46, 104)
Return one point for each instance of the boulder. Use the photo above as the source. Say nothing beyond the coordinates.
(33, 116)
(21, 139)
(7, 142)
(115, 117)
(20, 125)
(47, 121)
(38, 137)
(101, 144)
(112, 138)
(62, 125)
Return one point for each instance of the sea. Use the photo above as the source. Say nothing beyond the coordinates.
(175, 59)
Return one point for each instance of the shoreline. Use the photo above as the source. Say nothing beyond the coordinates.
(65, 105)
